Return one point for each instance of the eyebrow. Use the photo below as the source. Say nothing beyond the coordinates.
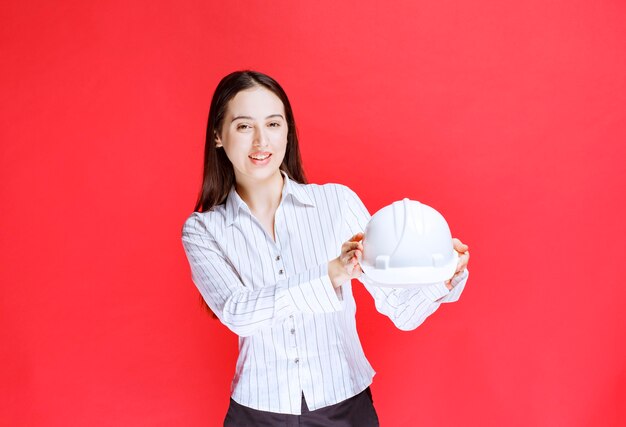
(251, 118)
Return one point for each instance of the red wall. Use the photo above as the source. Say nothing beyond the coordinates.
(508, 117)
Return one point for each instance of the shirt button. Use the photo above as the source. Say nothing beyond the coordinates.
(277, 257)
(280, 271)
(293, 331)
(291, 316)
(297, 360)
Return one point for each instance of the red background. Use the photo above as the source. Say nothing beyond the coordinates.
(508, 117)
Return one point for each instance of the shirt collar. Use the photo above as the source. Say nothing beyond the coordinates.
(290, 188)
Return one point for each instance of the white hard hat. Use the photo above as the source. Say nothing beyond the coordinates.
(408, 244)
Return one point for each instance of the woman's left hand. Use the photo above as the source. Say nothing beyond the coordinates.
(464, 256)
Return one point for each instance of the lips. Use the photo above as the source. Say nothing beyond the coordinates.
(260, 158)
(260, 155)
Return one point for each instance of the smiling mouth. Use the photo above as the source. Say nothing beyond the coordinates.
(260, 156)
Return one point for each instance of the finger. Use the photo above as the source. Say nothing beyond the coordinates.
(457, 241)
(351, 257)
(345, 257)
(349, 246)
(459, 246)
(357, 237)
(462, 264)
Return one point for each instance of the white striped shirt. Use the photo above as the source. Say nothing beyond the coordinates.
(297, 334)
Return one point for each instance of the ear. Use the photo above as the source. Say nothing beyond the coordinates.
(218, 141)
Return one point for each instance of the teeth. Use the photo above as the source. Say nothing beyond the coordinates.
(260, 157)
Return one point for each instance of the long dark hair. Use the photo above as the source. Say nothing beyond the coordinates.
(218, 176)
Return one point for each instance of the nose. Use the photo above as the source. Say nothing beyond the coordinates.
(260, 138)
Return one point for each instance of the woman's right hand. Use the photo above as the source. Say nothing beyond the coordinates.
(346, 266)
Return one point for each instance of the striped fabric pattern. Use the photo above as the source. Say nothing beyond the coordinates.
(297, 334)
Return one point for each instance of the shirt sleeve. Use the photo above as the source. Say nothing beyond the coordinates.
(407, 308)
(245, 310)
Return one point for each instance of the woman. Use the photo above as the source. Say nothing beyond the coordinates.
(273, 258)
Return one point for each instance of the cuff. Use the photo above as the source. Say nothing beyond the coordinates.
(459, 284)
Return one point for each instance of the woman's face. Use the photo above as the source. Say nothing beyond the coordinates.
(254, 134)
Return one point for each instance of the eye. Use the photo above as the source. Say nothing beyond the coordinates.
(274, 124)
(243, 126)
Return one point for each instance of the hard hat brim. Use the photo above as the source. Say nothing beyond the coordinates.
(410, 277)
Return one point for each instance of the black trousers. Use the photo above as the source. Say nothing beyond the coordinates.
(357, 411)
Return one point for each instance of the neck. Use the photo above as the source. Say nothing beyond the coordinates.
(261, 196)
